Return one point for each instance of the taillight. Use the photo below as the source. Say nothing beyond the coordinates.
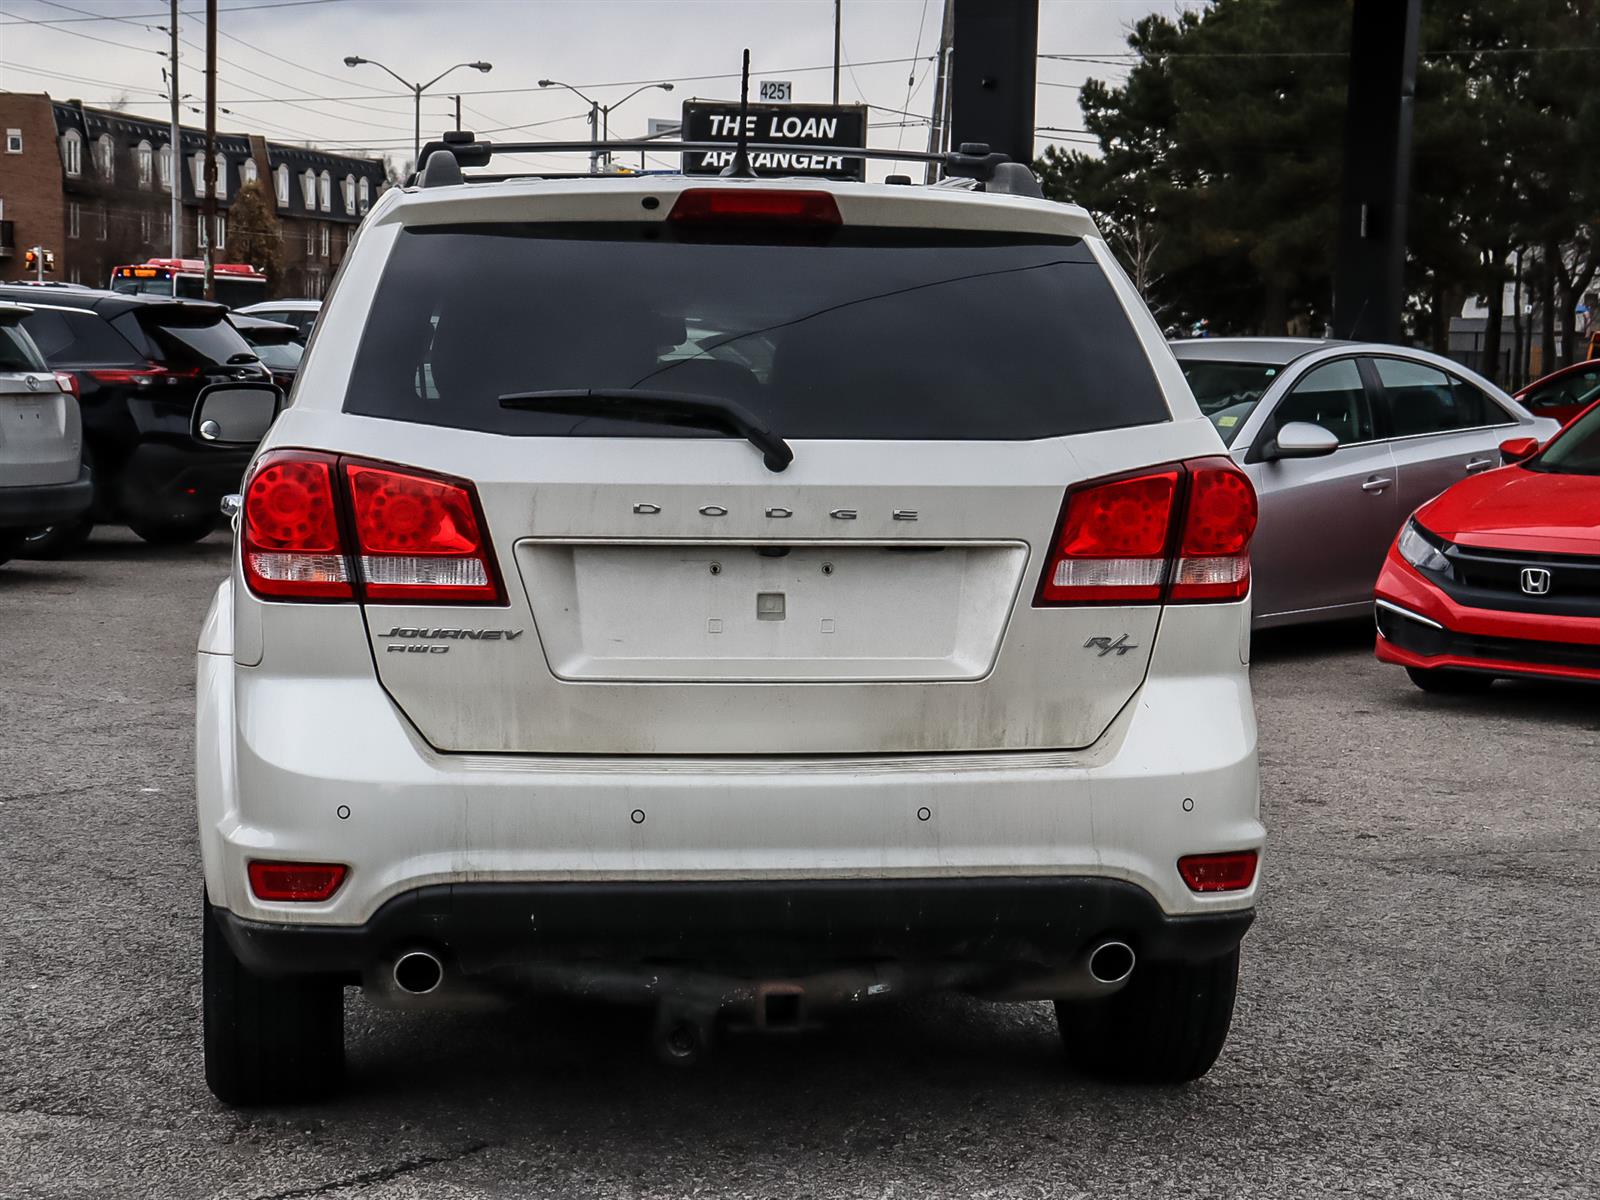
(146, 376)
(291, 545)
(420, 539)
(755, 206)
(69, 383)
(1232, 872)
(417, 539)
(300, 882)
(1180, 533)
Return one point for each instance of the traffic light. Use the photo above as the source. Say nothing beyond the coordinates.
(30, 260)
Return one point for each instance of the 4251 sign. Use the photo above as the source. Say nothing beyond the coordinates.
(842, 126)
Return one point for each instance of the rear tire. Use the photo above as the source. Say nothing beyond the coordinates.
(57, 541)
(1444, 682)
(11, 543)
(173, 532)
(267, 1040)
(1166, 1025)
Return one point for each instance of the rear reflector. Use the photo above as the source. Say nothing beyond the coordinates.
(1120, 542)
(300, 882)
(755, 206)
(68, 382)
(1218, 872)
(291, 543)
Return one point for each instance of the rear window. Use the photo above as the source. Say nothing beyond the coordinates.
(1228, 392)
(184, 345)
(17, 352)
(872, 334)
(77, 339)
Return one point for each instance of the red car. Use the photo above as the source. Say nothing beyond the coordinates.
(1565, 393)
(1500, 575)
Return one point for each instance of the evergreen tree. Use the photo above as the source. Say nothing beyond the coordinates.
(253, 233)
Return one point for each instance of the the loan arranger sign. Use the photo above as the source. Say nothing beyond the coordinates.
(826, 125)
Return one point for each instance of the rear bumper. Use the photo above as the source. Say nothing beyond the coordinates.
(482, 929)
(32, 507)
(1420, 626)
(163, 481)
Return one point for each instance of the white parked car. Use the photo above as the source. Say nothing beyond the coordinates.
(42, 476)
(742, 597)
(302, 314)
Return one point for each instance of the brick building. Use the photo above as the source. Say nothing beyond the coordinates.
(95, 187)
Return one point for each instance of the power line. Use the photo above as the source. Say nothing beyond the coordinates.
(134, 17)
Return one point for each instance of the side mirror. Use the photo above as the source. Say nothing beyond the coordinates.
(1302, 439)
(235, 414)
(1514, 450)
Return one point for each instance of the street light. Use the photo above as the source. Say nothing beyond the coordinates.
(416, 89)
(600, 114)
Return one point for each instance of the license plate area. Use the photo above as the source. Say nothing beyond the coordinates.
(771, 612)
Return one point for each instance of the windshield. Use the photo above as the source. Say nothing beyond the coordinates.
(127, 286)
(845, 334)
(1575, 451)
(1228, 392)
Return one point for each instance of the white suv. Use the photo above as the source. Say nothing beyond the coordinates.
(742, 597)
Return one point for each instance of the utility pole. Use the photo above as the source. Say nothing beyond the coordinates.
(941, 94)
(457, 99)
(208, 207)
(175, 156)
(838, 39)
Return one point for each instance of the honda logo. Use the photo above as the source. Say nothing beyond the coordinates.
(1535, 581)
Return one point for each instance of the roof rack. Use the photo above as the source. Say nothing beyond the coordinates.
(442, 160)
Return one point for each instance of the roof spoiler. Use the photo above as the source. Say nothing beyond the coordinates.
(193, 313)
(442, 160)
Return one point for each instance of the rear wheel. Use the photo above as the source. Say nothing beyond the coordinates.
(1445, 682)
(267, 1040)
(11, 543)
(173, 532)
(1167, 1025)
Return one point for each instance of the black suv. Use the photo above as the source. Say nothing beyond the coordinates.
(140, 362)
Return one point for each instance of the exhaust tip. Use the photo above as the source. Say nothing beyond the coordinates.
(1111, 962)
(418, 972)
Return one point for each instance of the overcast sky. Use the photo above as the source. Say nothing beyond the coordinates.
(282, 71)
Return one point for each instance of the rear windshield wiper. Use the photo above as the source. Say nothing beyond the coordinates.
(663, 408)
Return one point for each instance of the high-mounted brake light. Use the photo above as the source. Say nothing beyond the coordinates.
(1120, 539)
(300, 882)
(753, 206)
(418, 539)
(1232, 872)
(291, 544)
(146, 376)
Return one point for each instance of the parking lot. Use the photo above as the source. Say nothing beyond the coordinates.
(1417, 1014)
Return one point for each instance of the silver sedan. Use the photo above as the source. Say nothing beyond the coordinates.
(1343, 441)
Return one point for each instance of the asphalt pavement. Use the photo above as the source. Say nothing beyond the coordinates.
(1417, 1013)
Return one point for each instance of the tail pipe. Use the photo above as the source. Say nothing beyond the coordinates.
(418, 972)
(1111, 962)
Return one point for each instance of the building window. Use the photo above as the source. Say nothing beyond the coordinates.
(247, 172)
(222, 174)
(105, 157)
(308, 187)
(13, 141)
(281, 176)
(198, 162)
(364, 194)
(347, 191)
(200, 231)
(146, 225)
(73, 217)
(222, 232)
(311, 242)
(325, 191)
(146, 160)
(326, 247)
(104, 227)
(166, 168)
(72, 152)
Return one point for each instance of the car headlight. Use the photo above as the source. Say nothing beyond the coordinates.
(1418, 550)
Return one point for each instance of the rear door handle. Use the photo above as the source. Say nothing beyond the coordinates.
(1376, 484)
(1479, 464)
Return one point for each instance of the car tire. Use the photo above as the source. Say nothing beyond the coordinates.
(173, 532)
(11, 544)
(57, 541)
(267, 1040)
(1444, 682)
(1166, 1025)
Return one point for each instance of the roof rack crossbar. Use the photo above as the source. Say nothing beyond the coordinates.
(974, 160)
